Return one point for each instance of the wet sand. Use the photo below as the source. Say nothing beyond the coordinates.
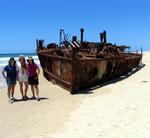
(119, 109)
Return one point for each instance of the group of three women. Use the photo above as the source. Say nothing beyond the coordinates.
(25, 74)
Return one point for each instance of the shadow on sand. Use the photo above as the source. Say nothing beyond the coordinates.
(114, 80)
(30, 99)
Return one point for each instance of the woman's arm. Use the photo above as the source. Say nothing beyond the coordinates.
(17, 72)
(38, 71)
(3, 73)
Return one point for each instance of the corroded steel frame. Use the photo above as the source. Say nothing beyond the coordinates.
(75, 74)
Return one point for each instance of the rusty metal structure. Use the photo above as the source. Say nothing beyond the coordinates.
(76, 65)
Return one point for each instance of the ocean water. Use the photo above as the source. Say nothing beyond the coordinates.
(4, 58)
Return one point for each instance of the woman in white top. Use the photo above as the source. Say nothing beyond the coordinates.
(23, 77)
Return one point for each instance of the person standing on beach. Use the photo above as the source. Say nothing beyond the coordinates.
(10, 74)
(23, 77)
(34, 72)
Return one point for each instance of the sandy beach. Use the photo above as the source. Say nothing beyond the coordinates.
(119, 109)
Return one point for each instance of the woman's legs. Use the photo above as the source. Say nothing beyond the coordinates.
(32, 89)
(21, 89)
(8, 91)
(23, 93)
(37, 91)
(26, 88)
(12, 90)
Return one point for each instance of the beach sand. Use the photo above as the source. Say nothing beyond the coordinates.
(120, 109)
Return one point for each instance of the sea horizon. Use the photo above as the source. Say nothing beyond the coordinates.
(17, 54)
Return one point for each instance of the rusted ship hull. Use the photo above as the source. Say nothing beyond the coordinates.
(77, 74)
(76, 65)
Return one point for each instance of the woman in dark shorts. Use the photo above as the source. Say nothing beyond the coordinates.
(10, 76)
(33, 79)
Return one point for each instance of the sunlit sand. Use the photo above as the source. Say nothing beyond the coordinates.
(119, 109)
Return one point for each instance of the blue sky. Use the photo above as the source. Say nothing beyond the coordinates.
(127, 22)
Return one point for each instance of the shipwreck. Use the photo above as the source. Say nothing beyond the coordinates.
(76, 65)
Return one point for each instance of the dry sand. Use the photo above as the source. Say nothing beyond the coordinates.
(120, 109)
